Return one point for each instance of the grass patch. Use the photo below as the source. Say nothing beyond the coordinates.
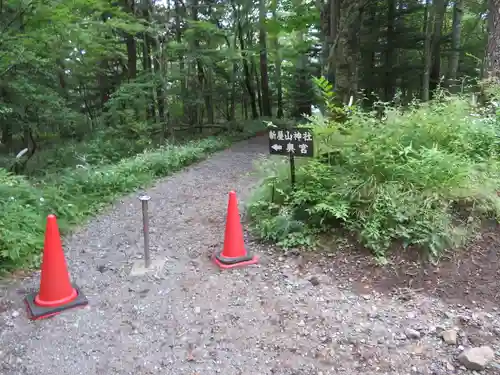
(426, 176)
(105, 146)
(76, 194)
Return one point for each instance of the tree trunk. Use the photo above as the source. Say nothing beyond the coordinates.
(347, 50)
(131, 44)
(277, 76)
(264, 78)
(6, 126)
(234, 71)
(199, 67)
(456, 31)
(303, 95)
(160, 73)
(208, 74)
(370, 86)
(390, 77)
(246, 71)
(179, 13)
(146, 57)
(332, 20)
(232, 106)
(493, 49)
(429, 21)
(253, 69)
(439, 12)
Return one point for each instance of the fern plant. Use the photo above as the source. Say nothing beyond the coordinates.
(424, 178)
(335, 111)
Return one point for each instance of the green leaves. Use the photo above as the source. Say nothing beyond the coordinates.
(74, 194)
(126, 26)
(425, 177)
(324, 88)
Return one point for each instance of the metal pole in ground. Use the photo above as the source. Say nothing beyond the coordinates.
(145, 227)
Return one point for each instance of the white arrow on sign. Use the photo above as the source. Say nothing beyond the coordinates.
(277, 147)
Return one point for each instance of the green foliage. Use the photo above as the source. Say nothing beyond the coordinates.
(75, 194)
(89, 82)
(334, 110)
(103, 147)
(425, 176)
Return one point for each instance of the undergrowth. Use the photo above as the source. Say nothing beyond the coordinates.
(424, 176)
(104, 146)
(74, 194)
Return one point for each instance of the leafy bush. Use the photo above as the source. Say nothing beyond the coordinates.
(75, 194)
(99, 150)
(425, 176)
(107, 146)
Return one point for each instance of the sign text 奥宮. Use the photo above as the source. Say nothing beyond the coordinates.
(296, 141)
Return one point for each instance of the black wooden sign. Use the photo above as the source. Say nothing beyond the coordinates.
(295, 141)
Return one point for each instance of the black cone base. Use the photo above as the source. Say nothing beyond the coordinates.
(36, 312)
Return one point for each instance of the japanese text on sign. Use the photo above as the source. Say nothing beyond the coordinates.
(298, 142)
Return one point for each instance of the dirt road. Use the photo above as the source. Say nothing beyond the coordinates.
(284, 316)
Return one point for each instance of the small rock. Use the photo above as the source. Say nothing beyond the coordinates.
(476, 358)
(464, 319)
(314, 281)
(412, 333)
(15, 314)
(439, 329)
(418, 349)
(450, 336)
(496, 331)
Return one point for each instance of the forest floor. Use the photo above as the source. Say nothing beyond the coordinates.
(291, 314)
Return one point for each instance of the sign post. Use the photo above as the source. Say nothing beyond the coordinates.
(292, 142)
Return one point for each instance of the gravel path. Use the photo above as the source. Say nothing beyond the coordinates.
(280, 317)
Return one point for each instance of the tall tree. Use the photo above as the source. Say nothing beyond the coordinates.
(456, 34)
(264, 78)
(493, 49)
(279, 61)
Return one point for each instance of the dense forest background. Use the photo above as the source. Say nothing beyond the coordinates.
(100, 97)
(146, 71)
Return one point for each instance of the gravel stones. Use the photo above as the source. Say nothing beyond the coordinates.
(476, 358)
(281, 317)
(412, 333)
(450, 336)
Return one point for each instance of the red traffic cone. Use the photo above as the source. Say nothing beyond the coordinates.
(233, 253)
(56, 293)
